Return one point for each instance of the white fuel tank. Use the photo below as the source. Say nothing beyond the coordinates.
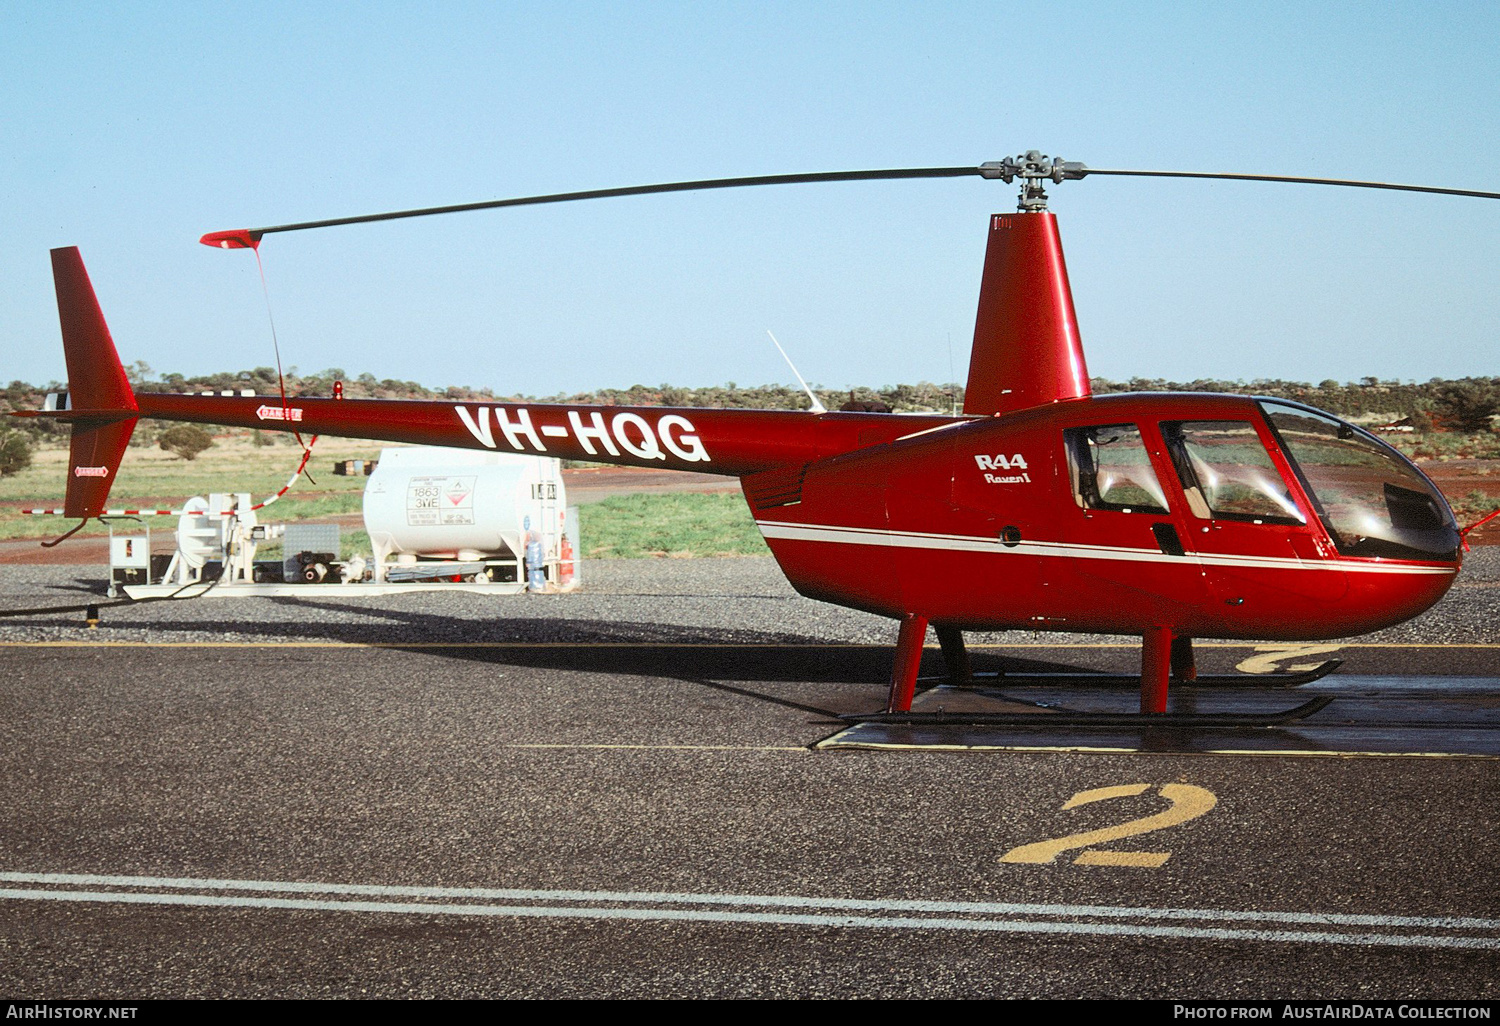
(452, 503)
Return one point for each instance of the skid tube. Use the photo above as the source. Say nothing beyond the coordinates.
(1046, 718)
(1202, 682)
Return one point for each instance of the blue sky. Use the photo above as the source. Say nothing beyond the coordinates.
(131, 130)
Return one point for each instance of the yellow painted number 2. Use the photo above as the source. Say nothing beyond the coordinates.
(1188, 802)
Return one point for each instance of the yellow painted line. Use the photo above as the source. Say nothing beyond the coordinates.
(420, 644)
(680, 645)
(667, 748)
(459, 644)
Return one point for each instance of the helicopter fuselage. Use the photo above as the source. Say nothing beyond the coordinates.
(1116, 514)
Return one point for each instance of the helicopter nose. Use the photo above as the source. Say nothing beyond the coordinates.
(1383, 596)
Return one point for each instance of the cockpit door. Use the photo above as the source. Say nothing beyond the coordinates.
(1246, 519)
(1120, 531)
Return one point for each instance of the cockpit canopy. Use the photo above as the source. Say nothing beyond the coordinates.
(1373, 501)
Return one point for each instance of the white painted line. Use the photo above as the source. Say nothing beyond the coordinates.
(841, 534)
(165, 887)
(771, 918)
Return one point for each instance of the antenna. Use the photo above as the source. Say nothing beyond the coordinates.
(817, 407)
(952, 377)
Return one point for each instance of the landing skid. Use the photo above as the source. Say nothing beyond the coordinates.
(1204, 681)
(1047, 718)
(1166, 663)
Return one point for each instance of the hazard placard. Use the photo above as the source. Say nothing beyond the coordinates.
(440, 501)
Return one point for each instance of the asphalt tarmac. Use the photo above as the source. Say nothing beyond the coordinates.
(616, 794)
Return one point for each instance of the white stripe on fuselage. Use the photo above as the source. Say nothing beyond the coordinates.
(1071, 550)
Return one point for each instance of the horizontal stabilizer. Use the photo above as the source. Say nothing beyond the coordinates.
(93, 461)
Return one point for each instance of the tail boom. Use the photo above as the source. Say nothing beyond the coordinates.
(709, 441)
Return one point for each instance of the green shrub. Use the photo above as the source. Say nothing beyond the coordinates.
(1469, 404)
(15, 453)
(185, 440)
(1474, 505)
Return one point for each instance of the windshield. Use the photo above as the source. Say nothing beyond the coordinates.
(1370, 497)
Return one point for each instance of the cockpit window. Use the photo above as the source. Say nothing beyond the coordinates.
(1111, 469)
(1226, 472)
(1370, 497)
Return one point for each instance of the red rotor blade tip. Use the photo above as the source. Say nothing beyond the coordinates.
(236, 239)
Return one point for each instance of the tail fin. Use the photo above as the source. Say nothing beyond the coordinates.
(101, 402)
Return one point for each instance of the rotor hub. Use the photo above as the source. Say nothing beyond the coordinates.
(1033, 168)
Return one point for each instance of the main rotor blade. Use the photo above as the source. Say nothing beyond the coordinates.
(1031, 168)
(1353, 183)
(254, 234)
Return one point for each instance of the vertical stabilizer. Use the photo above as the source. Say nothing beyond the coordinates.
(101, 401)
(1026, 346)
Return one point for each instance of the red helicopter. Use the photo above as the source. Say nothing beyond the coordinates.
(1041, 507)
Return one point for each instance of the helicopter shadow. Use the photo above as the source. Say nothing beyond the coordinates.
(728, 660)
